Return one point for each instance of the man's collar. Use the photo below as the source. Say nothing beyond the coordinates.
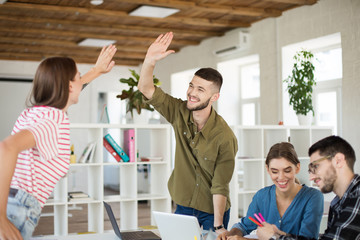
(209, 125)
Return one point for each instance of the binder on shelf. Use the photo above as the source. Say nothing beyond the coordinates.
(86, 153)
(129, 143)
(110, 149)
(117, 148)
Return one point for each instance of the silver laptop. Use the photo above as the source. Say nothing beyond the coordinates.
(177, 227)
(133, 235)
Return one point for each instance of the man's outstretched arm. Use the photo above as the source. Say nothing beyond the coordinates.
(156, 51)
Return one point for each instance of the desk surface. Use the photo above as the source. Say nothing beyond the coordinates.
(108, 235)
(95, 236)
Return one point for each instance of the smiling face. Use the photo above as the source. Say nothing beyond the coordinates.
(200, 94)
(282, 173)
(324, 175)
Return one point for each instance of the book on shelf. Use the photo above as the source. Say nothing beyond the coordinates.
(78, 196)
(151, 159)
(117, 148)
(91, 156)
(110, 149)
(129, 143)
(87, 152)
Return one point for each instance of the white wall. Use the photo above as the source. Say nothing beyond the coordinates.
(11, 109)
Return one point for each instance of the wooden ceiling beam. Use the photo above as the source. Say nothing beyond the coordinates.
(132, 29)
(36, 41)
(78, 59)
(64, 43)
(207, 7)
(65, 33)
(297, 2)
(69, 51)
(121, 14)
(242, 11)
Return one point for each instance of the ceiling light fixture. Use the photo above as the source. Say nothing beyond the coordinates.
(151, 11)
(94, 42)
(96, 2)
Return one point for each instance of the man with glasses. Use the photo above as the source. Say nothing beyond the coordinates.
(331, 167)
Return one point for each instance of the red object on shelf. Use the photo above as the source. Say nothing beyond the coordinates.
(111, 150)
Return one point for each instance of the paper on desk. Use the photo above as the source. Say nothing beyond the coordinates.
(251, 236)
(210, 235)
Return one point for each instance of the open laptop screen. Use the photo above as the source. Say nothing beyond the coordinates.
(131, 235)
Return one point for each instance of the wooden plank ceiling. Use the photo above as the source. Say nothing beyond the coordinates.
(35, 29)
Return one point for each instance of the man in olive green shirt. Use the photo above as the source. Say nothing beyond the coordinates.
(205, 144)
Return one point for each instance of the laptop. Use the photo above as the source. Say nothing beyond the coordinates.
(133, 235)
(177, 227)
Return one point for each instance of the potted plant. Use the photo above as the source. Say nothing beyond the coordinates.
(300, 86)
(133, 96)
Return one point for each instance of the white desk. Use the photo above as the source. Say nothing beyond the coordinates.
(95, 236)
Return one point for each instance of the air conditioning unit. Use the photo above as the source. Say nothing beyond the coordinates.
(232, 42)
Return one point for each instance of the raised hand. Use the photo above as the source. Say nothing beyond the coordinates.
(104, 62)
(158, 49)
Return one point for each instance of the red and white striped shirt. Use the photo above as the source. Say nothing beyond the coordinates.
(39, 169)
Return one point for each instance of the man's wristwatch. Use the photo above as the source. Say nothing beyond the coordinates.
(218, 227)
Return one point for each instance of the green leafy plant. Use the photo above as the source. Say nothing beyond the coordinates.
(301, 83)
(133, 95)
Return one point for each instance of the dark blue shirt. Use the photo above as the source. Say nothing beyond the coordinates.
(302, 217)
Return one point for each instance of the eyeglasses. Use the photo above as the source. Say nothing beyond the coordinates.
(314, 165)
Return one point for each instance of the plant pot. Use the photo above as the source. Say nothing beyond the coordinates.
(142, 118)
(305, 120)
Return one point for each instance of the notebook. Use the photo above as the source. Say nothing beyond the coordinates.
(177, 227)
(133, 235)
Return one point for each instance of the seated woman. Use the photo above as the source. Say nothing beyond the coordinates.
(293, 208)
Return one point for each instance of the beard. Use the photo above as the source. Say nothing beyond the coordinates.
(199, 107)
(329, 180)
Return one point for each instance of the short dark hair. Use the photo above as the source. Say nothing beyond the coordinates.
(331, 145)
(211, 75)
(282, 150)
(51, 82)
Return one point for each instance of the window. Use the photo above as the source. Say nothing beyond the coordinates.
(328, 74)
(240, 93)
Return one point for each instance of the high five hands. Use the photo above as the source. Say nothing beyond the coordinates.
(158, 49)
(104, 62)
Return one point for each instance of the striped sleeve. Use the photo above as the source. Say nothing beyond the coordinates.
(46, 134)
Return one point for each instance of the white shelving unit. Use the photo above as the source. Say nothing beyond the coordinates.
(151, 140)
(254, 143)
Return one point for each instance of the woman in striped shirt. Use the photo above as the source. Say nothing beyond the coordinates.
(36, 155)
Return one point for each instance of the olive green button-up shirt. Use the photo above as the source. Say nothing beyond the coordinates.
(204, 160)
